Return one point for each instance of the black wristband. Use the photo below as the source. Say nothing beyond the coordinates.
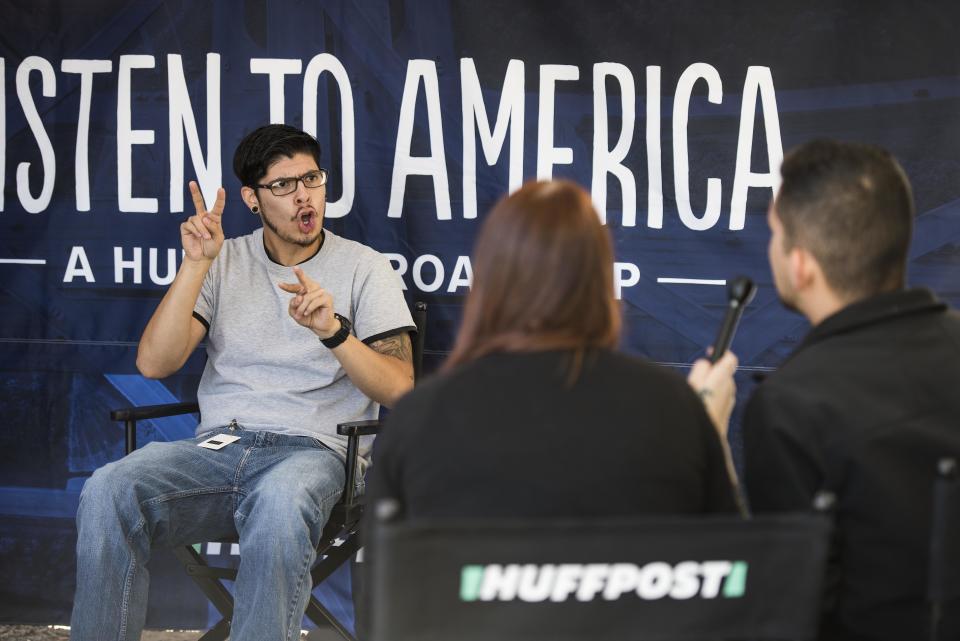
(341, 334)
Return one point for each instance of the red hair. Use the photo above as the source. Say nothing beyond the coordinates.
(543, 277)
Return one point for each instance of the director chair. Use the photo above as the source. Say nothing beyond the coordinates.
(689, 578)
(341, 537)
(943, 587)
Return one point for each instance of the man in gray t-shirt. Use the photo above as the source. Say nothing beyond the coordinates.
(304, 330)
(269, 373)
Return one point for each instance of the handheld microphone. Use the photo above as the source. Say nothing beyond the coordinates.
(740, 292)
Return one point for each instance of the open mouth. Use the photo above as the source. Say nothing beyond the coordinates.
(306, 221)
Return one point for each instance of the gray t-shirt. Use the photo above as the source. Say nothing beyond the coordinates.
(269, 373)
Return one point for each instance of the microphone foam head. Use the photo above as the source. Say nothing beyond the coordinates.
(741, 290)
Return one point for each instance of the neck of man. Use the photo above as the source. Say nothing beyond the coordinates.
(286, 253)
(823, 302)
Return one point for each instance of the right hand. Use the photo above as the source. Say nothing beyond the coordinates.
(311, 306)
(716, 387)
(202, 233)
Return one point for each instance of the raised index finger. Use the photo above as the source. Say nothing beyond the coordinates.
(197, 198)
(301, 276)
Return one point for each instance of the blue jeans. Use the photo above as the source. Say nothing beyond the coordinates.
(274, 491)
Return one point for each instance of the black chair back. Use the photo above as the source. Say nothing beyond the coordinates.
(681, 578)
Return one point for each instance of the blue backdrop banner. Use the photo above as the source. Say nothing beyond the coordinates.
(675, 115)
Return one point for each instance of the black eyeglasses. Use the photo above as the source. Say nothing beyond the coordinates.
(288, 184)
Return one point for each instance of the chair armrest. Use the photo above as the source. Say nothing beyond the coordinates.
(130, 416)
(359, 428)
(353, 430)
(153, 411)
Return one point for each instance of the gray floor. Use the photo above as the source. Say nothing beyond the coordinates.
(42, 633)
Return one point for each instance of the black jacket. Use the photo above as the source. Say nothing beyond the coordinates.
(865, 407)
(508, 435)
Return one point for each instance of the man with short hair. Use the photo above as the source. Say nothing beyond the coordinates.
(869, 401)
(304, 330)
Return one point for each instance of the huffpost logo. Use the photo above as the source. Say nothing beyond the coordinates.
(607, 581)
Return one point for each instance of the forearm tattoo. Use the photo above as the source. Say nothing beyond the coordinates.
(397, 346)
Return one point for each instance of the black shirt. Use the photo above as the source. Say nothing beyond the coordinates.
(865, 407)
(509, 435)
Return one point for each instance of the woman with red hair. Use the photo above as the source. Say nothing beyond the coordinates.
(535, 413)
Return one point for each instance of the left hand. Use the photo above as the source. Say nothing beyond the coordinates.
(312, 306)
(715, 385)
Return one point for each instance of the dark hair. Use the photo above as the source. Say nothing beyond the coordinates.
(263, 146)
(851, 206)
(543, 277)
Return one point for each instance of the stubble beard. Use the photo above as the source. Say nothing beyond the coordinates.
(302, 241)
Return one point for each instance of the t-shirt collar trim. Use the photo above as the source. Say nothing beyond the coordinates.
(271, 261)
